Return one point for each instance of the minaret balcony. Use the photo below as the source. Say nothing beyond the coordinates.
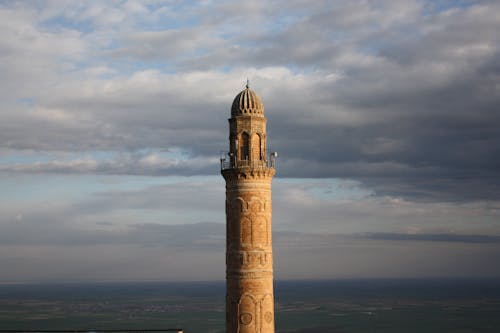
(232, 163)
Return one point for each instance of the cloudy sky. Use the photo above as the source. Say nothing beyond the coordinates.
(385, 114)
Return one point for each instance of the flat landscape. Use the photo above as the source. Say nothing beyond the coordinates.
(327, 306)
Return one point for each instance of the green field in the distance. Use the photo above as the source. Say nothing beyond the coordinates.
(347, 306)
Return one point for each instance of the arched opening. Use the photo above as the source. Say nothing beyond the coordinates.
(244, 146)
(256, 147)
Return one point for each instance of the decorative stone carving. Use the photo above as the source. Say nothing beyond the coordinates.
(268, 317)
(267, 309)
(245, 318)
(247, 310)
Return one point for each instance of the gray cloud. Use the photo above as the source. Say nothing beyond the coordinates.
(138, 163)
(198, 236)
(398, 100)
(416, 116)
(474, 239)
(162, 252)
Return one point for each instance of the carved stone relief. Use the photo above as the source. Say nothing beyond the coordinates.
(267, 310)
(247, 314)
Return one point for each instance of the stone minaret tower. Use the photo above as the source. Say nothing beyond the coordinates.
(249, 254)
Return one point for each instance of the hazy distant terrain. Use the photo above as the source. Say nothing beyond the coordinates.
(328, 306)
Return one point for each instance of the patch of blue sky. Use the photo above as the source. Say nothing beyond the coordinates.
(179, 15)
(103, 156)
(437, 6)
(127, 67)
(60, 23)
(243, 34)
(24, 158)
(168, 23)
(171, 153)
(179, 214)
(16, 157)
(26, 101)
(175, 154)
(276, 21)
(195, 52)
(301, 69)
(329, 188)
(74, 66)
(374, 49)
(286, 19)
(251, 44)
(23, 188)
(226, 69)
(336, 192)
(97, 155)
(337, 35)
(142, 216)
(142, 65)
(370, 49)
(172, 216)
(135, 182)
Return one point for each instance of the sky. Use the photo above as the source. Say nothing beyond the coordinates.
(385, 115)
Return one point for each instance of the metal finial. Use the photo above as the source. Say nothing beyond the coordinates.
(248, 83)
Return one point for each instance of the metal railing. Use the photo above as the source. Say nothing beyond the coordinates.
(226, 164)
(230, 162)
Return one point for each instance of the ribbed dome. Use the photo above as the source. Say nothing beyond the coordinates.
(247, 103)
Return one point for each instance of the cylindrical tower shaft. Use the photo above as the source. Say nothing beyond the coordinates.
(249, 254)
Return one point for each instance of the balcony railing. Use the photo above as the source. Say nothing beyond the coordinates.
(231, 163)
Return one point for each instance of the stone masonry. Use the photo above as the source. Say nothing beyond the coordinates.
(249, 255)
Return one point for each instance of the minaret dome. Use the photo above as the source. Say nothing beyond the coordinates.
(247, 103)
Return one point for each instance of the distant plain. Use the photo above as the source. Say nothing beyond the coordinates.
(424, 305)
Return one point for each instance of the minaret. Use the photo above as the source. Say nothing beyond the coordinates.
(248, 172)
